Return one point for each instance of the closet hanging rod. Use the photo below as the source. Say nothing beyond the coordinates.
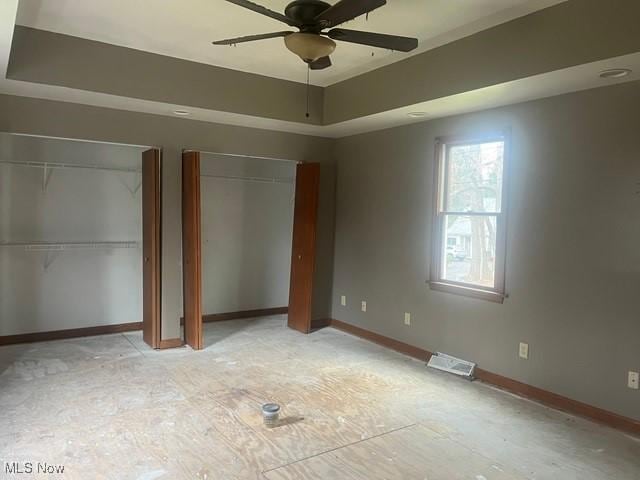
(58, 246)
(239, 155)
(252, 179)
(69, 166)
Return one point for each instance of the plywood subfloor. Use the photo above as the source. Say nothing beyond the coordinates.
(110, 408)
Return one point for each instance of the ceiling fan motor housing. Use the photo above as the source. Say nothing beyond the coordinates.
(305, 12)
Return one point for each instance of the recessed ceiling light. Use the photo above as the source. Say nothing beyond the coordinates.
(181, 113)
(417, 114)
(615, 73)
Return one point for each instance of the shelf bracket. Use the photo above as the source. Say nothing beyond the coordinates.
(49, 258)
(133, 191)
(46, 175)
(138, 183)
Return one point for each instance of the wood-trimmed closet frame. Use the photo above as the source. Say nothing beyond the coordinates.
(152, 252)
(303, 250)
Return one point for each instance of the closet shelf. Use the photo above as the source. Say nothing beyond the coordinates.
(61, 246)
(48, 167)
(252, 179)
(54, 165)
(53, 249)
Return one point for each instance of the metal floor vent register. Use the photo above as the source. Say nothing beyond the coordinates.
(447, 363)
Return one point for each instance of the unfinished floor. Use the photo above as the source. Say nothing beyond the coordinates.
(110, 408)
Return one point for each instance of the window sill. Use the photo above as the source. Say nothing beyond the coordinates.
(472, 292)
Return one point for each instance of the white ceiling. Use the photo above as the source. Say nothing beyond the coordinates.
(185, 29)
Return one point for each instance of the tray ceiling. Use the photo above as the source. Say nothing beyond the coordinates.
(186, 28)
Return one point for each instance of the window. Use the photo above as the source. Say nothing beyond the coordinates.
(469, 221)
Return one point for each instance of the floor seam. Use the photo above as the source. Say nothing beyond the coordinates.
(133, 345)
(264, 472)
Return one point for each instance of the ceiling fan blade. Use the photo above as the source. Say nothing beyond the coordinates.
(381, 40)
(346, 10)
(320, 64)
(251, 38)
(265, 11)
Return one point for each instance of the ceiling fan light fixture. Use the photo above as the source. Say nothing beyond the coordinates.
(309, 46)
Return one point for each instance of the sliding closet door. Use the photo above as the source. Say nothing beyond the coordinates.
(191, 249)
(151, 247)
(303, 252)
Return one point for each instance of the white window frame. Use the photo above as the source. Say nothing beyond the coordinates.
(437, 280)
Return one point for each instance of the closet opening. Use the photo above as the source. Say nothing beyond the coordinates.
(72, 239)
(248, 243)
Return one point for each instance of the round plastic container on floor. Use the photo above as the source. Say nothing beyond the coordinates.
(270, 414)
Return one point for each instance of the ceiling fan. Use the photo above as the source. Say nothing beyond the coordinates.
(311, 17)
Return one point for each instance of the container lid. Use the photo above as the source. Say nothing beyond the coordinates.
(270, 408)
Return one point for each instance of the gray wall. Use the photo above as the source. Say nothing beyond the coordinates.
(573, 262)
(59, 119)
(246, 233)
(45, 57)
(79, 288)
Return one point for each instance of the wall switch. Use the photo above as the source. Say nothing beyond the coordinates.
(363, 306)
(634, 380)
(407, 318)
(343, 301)
(524, 350)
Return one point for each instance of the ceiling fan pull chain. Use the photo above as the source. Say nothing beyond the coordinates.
(308, 72)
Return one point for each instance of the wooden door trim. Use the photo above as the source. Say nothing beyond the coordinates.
(152, 286)
(191, 250)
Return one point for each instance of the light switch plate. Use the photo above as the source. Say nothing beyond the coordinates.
(363, 306)
(634, 380)
(407, 318)
(524, 350)
(343, 301)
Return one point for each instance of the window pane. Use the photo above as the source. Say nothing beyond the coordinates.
(470, 244)
(474, 177)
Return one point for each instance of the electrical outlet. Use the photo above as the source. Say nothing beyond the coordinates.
(634, 380)
(524, 350)
(407, 318)
(363, 306)
(343, 301)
